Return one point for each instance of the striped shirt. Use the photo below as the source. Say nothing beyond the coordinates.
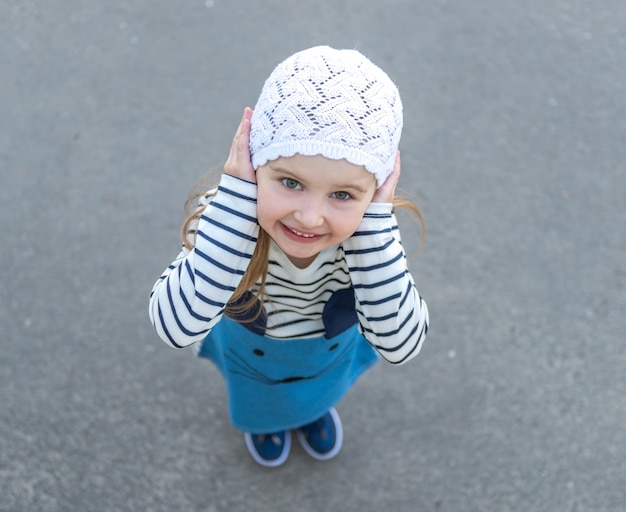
(190, 297)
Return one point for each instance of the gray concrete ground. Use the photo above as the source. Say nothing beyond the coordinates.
(515, 149)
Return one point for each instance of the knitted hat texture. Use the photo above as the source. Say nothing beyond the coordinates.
(329, 102)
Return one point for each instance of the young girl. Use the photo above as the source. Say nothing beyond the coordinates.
(292, 276)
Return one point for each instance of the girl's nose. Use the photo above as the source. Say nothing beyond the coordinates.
(309, 214)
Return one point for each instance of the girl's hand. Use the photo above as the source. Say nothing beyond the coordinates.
(387, 190)
(238, 163)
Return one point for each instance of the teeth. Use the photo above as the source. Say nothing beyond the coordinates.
(301, 234)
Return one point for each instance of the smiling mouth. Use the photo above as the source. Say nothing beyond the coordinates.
(304, 235)
(298, 236)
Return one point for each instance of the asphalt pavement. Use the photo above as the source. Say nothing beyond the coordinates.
(514, 147)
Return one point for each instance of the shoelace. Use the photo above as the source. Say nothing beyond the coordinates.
(274, 438)
(320, 426)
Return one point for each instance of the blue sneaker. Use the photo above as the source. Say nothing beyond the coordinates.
(323, 438)
(269, 449)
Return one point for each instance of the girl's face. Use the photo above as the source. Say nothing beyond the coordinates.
(308, 203)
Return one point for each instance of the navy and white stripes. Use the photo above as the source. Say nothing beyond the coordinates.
(190, 297)
(392, 315)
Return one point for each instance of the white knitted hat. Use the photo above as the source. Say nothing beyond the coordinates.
(334, 103)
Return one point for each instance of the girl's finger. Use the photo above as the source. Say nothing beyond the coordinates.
(231, 165)
(238, 163)
(387, 190)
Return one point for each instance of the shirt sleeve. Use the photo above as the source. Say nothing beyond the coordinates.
(189, 298)
(392, 315)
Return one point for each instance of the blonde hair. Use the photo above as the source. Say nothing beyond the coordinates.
(256, 274)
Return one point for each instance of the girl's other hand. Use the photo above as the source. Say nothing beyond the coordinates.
(238, 163)
(387, 190)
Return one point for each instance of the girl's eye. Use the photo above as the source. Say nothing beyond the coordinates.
(291, 183)
(342, 196)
